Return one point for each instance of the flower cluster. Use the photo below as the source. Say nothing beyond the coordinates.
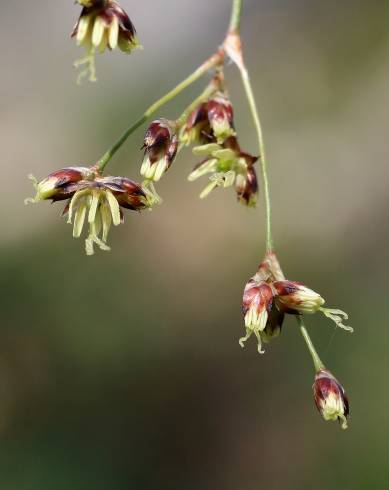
(268, 296)
(93, 199)
(210, 126)
(104, 24)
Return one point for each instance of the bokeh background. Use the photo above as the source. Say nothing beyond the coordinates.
(123, 370)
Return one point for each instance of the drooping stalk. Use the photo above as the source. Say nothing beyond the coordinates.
(317, 362)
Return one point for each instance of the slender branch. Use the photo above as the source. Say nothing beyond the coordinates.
(236, 15)
(315, 356)
(258, 126)
(210, 63)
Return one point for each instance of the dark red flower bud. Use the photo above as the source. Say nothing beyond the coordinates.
(61, 184)
(129, 194)
(256, 306)
(330, 397)
(294, 297)
(246, 187)
(220, 115)
(161, 145)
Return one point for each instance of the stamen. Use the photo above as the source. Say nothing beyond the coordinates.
(337, 316)
(90, 68)
(114, 207)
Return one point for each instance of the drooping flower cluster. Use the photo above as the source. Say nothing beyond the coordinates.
(93, 199)
(269, 296)
(104, 24)
(210, 126)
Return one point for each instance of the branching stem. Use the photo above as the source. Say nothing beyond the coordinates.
(210, 63)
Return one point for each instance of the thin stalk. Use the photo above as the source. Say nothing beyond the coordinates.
(258, 126)
(236, 15)
(213, 61)
(315, 356)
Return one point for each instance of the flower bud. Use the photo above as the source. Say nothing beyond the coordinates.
(102, 24)
(161, 145)
(210, 122)
(220, 115)
(129, 194)
(295, 298)
(246, 187)
(61, 184)
(256, 306)
(330, 398)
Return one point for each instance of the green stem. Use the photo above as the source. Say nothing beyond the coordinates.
(315, 356)
(258, 126)
(236, 15)
(213, 61)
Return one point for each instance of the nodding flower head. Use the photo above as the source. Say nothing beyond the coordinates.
(228, 166)
(330, 397)
(61, 184)
(104, 24)
(161, 145)
(210, 122)
(256, 307)
(294, 297)
(92, 198)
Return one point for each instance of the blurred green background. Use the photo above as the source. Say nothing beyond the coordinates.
(124, 370)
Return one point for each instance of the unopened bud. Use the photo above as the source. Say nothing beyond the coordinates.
(330, 397)
(61, 184)
(295, 298)
(161, 145)
(256, 306)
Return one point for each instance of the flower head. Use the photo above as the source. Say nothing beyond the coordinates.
(93, 199)
(104, 24)
(161, 145)
(210, 122)
(228, 166)
(330, 397)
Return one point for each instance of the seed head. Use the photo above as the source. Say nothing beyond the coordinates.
(330, 397)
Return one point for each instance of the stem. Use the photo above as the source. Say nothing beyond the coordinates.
(213, 61)
(258, 126)
(236, 15)
(315, 356)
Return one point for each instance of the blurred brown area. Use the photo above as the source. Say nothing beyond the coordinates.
(123, 370)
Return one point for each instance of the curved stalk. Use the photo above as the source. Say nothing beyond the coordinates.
(317, 362)
(262, 154)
